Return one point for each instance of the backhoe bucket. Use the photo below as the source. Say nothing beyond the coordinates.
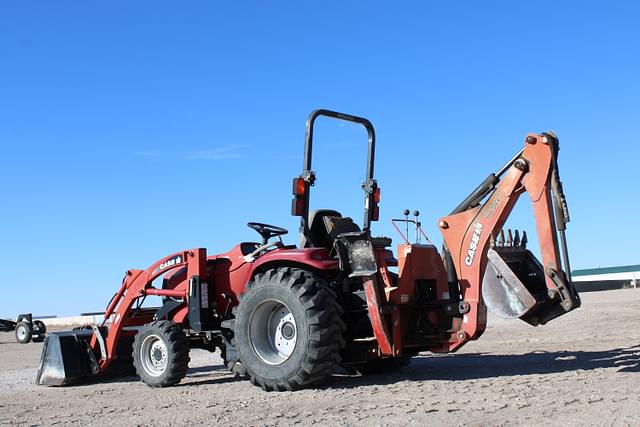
(66, 357)
(514, 287)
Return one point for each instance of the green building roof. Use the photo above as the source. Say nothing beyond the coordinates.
(606, 270)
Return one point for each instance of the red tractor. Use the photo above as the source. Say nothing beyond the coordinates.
(288, 316)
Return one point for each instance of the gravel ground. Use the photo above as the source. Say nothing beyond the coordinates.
(581, 369)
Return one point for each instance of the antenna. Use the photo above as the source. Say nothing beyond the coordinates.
(406, 221)
(417, 224)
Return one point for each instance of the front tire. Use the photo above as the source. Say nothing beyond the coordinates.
(288, 330)
(23, 332)
(161, 354)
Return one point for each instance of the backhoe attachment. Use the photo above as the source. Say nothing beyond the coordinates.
(486, 269)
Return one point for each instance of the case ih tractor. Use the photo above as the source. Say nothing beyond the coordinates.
(288, 316)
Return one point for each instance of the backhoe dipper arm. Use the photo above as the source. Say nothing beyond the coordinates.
(470, 231)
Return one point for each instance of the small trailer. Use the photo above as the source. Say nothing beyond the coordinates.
(26, 328)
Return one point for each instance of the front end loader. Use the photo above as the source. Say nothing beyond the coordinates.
(286, 316)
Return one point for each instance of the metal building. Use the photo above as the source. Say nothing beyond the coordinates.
(598, 279)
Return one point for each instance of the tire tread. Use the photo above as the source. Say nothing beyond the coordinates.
(176, 344)
(326, 328)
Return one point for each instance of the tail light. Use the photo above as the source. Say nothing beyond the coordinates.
(299, 192)
(375, 211)
(298, 187)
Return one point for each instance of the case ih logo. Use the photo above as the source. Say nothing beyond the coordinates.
(473, 246)
(169, 263)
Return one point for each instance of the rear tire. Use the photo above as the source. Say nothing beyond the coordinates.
(23, 332)
(161, 354)
(288, 330)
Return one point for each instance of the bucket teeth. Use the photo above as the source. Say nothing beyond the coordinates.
(514, 239)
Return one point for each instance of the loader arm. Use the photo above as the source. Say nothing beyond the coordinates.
(470, 243)
(137, 284)
(70, 355)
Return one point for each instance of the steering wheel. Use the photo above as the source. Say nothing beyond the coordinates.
(267, 231)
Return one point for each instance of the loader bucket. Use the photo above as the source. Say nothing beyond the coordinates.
(514, 287)
(66, 357)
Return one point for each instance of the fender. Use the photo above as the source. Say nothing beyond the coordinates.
(314, 258)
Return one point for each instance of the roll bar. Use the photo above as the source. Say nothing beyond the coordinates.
(308, 140)
(369, 186)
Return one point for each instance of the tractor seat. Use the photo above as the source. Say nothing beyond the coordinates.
(381, 242)
(324, 226)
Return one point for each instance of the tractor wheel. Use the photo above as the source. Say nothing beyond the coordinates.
(161, 354)
(288, 330)
(23, 332)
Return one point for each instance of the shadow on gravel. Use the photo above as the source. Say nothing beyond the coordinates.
(220, 380)
(479, 365)
(454, 367)
(207, 369)
(205, 372)
(122, 375)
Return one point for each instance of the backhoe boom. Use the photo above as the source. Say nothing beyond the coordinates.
(503, 277)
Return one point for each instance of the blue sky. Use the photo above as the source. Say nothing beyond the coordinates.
(130, 130)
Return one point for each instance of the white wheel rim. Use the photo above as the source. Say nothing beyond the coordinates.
(154, 355)
(21, 332)
(273, 332)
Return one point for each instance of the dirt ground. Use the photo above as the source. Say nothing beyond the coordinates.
(581, 369)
